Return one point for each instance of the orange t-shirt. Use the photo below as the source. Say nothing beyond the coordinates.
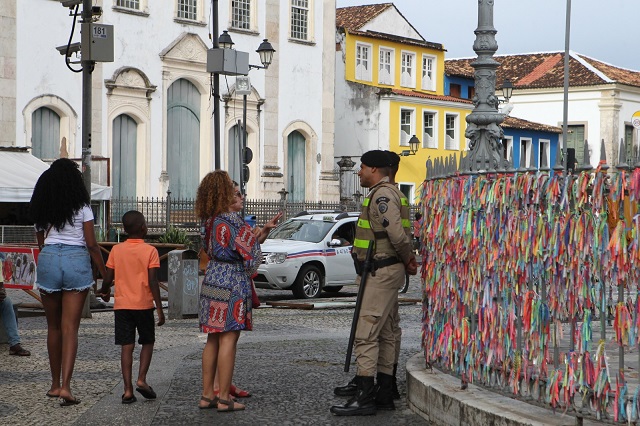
(131, 262)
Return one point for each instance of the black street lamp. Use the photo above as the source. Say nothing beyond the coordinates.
(507, 90)
(243, 87)
(414, 144)
(225, 41)
(266, 51)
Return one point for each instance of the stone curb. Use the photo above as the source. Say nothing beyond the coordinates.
(437, 398)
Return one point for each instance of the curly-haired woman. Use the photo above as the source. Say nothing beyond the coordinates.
(225, 295)
(64, 228)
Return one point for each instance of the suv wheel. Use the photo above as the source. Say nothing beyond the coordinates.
(308, 284)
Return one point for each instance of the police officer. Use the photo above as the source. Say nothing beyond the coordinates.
(350, 388)
(382, 220)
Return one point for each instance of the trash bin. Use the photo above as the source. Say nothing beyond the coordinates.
(183, 283)
(251, 220)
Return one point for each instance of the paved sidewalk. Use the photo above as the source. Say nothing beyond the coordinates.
(290, 363)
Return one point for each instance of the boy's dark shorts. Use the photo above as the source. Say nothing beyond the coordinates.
(128, 320)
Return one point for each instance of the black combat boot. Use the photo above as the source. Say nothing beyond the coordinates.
(363, 403)
(384, 396)
(349, 389)
(394, 386)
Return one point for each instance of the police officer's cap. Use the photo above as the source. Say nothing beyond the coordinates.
(375, 158)
(394, 158)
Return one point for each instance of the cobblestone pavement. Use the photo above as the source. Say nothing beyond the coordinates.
(290, 363)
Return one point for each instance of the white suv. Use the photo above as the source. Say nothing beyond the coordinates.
(309, 253)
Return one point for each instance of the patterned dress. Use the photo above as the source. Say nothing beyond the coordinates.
(225, 295)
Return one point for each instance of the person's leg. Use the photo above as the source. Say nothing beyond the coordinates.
(226, 363)
(126, 364)
(209, 364)
(52, 304)
(397, 332)
(9, 320)
(145, 361)
(145, 324)
(72, 305)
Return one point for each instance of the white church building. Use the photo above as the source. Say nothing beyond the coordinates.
(153, 106)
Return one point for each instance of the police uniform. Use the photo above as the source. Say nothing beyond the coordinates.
(394, 160)
(383, 220)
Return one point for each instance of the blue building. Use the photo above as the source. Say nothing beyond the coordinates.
(524, 141)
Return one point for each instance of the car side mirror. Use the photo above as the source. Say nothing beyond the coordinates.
(335, 243)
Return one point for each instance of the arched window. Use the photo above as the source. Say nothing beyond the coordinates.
(183, 138)
(125, 131)
(233, 153)
(45, 134)
(296, 166)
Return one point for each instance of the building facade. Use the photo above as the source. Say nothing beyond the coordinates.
(603, 98)
(153, 106)
(390, 87)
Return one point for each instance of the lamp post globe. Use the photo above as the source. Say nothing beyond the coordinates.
(225, 41)
(266, 51)
(414, 144)
(507, 89)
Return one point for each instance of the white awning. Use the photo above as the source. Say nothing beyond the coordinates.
(19, 172)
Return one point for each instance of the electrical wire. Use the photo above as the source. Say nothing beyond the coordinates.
(73, 28)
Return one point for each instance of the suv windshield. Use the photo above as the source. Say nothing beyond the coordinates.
(302, 230)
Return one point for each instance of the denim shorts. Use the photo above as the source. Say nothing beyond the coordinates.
(64, 267)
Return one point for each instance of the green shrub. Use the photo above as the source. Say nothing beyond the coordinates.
(175, 236)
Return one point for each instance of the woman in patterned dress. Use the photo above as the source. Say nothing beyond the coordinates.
(225, 296)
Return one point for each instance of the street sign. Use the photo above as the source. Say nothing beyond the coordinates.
(635, 119)
(248, 155)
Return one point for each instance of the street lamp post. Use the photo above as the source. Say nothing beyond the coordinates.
(223, 59)
(483, 128)
(243, 87)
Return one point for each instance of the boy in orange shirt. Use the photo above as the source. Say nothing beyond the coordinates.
(135, 265)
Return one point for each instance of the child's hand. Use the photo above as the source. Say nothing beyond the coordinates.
(105, 293)
(160, 317)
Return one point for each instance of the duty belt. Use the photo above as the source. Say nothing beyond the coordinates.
(381, 263)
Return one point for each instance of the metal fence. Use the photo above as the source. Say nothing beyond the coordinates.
(13, 234)
(180, 213)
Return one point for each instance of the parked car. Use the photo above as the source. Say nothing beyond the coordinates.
(309, 253)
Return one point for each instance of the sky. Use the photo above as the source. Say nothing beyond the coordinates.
(607, 30)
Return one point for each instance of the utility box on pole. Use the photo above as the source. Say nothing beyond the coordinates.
(227, 62)
(97, 42)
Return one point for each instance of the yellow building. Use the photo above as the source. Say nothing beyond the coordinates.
(390, 87)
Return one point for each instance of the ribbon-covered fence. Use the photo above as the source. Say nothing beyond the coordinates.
(510, 260)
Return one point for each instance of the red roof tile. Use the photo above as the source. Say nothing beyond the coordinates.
(543, 70)
(355, 17)
(519, 123)
(413, 94)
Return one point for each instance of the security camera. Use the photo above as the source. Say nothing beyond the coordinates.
(71, 49)
(96, 11)
(71, 3)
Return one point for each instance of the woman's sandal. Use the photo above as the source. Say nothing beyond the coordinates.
(231, 406)
(239, 393)
(211, 403)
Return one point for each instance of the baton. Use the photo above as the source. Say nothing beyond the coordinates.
(356, 311)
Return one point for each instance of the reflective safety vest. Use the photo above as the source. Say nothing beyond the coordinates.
(366, 232)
